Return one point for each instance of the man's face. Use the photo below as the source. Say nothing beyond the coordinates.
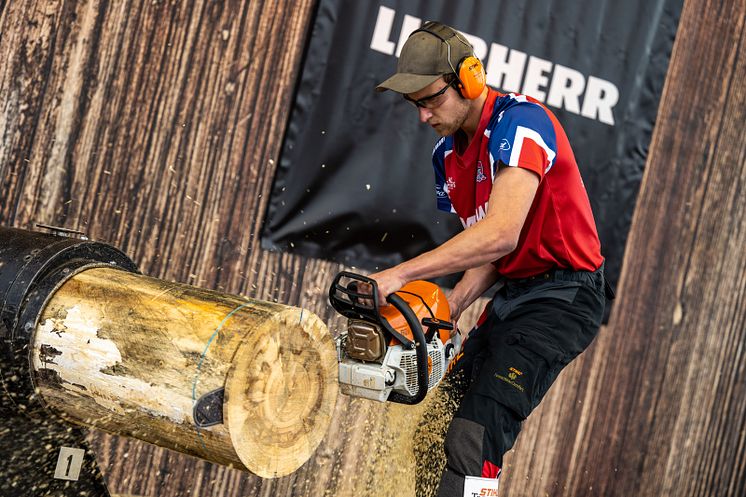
(445, 112)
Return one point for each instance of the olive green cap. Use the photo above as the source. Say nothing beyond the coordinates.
(424, 58)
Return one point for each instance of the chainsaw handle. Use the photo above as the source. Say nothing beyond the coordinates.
(348, 301)
(420, 348)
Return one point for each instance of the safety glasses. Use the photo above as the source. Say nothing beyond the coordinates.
(431, 101)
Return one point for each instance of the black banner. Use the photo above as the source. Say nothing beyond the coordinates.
(355, 182)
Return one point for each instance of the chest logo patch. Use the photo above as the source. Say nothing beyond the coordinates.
(480, 172)
(504, 144)
(450, 185)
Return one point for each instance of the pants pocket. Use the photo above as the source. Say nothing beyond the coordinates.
(520, 371)
(564, 291)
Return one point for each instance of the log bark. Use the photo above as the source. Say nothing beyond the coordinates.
(132, 355)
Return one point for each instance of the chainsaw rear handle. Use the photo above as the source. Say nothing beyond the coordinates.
(421, 352)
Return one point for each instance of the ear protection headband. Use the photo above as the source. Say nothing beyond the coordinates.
(469, 71)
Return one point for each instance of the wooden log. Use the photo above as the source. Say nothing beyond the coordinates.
(132, 355)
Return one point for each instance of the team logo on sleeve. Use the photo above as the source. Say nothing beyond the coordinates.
(480, 172)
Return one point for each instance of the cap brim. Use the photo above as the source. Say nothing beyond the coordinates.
(407, 83)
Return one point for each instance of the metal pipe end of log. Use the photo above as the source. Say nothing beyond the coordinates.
(244, 383)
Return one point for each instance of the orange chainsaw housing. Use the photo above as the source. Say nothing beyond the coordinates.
(427, 300)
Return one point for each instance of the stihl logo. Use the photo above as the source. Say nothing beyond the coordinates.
(485, 492)
(480, 487)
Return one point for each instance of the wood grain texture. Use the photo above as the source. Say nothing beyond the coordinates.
(677, 421)
(156, 126)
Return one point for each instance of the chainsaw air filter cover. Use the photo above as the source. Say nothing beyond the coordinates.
(365, 341)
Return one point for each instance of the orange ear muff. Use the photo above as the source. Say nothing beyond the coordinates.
(472, 77)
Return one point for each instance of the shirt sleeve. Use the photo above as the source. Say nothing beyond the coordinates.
(522, 136)
(441, 195)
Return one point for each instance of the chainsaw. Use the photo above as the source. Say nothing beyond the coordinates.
(397, 352)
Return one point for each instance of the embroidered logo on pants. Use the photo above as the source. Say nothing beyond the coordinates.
(513, 375)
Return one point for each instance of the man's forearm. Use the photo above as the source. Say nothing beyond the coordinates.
(473, 284)
(486, 241)
(472, 248)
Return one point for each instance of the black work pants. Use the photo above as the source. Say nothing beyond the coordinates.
(534, 328)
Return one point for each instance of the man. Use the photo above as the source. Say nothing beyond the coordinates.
(505, 167)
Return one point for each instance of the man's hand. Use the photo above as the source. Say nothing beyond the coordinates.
(455, 305)
(389, 281)
(473, 284)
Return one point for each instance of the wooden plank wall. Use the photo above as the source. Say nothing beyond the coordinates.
(156, 126)
(668, 414)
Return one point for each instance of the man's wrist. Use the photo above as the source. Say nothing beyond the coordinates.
(455, 302)
(404, 272)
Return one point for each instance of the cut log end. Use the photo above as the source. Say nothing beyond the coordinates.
(281, 392)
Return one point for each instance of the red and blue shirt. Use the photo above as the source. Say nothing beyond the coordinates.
(518, 131)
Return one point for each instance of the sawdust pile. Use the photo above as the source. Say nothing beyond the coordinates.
(402, 453)
(405, 452)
